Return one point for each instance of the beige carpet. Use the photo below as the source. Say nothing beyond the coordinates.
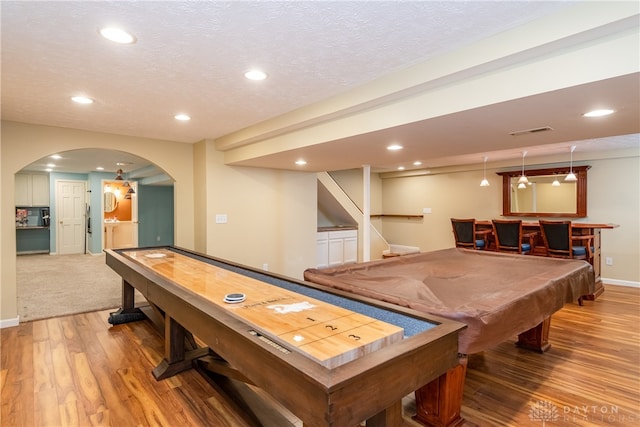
(56, 285)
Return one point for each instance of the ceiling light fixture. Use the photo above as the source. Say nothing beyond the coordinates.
(523, 179)
(99, 168)
(571, 176)
(599, 113)
(117, 35)
(400, 168)
(555, 182)
(182, 117)
(301, 162)
(82, 100)
(255, 75)
(394, 147)
(417, 163)
(56, 156)
(484, 182)
(118, 175)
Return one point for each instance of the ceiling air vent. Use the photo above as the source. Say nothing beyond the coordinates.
(534, 130)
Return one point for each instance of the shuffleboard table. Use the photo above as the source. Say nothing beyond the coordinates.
(330, 357)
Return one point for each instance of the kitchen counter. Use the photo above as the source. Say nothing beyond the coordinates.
(337, 228)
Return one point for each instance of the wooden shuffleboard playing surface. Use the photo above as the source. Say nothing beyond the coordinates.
(329, 334)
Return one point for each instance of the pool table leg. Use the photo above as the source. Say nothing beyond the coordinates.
(439, 403)
(536, 339)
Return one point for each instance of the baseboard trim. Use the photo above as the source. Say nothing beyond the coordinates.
(9, 323)
(617, 282)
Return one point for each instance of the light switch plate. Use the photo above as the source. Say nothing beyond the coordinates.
(221, 218)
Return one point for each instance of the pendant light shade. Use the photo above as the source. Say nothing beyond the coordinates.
(484, 182)
(118, 175)
(571, 176)
(523, 179)
(555, 182)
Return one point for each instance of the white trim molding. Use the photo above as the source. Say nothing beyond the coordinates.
(9, 323)
(617, 282)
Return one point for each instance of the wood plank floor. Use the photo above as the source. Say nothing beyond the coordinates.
(80, 371)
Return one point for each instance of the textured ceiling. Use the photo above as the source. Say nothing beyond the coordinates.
(190, 56)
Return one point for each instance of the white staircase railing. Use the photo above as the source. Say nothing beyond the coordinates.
(377, 243)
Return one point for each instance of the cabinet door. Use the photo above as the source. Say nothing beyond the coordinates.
(40, 190)
(23, 190)
(322, 253)
(336, 252)
(350, 250)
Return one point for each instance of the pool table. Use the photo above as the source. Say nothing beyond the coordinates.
(498, 296)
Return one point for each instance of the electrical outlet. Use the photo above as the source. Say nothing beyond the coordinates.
(608, 260)
(157, 238)
(426, 210)
(265, 266)
(221, 218)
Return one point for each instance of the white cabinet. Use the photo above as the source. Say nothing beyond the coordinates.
(336, 248)
(322, 250)
(32, 190)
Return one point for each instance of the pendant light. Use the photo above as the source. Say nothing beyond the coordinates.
(555, 182)
(118, 175)
(523, 179)
(484, 182)
(571, 176)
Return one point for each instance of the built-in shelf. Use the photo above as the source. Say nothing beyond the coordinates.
(397, 216)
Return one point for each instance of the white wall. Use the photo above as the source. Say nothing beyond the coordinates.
(613, 194)
(272, 215)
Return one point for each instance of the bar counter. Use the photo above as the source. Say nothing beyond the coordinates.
(532, 228)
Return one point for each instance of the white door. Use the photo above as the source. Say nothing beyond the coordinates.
(70, 215)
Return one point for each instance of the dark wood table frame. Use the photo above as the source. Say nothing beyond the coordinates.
(369, 388)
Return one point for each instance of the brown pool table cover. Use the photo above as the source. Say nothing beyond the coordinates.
(496, 295)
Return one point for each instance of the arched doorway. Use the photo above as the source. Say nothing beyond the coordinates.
(82, 282)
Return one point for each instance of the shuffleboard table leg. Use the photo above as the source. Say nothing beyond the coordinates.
(128, 312)
(390, 417)
(439, 403)
(176, 358)
(536, 339)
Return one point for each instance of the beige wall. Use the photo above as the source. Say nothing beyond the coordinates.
(613, 193)
(272, 215)
(23, 144)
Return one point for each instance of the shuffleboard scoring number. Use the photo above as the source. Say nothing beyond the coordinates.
(270, 342)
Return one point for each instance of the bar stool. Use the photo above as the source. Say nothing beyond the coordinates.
(508, 234)
(466, 235)
(558, 241)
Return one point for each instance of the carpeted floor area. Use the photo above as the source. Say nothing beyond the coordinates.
(56, 285)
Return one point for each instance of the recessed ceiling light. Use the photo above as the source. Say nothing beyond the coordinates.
(301, 162)
(394, 147)
(56, 156)
(117, 35)
(99, 168)
(417, 163)
(82, 100)
(48, 170)
(400, 168)
(182, 117)
(255, 75)
(598, 113)
(51, 165)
